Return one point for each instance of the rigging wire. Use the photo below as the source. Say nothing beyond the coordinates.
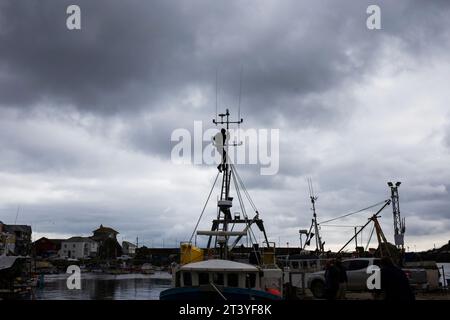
(370, 237)
(204, 207)
(241, 203)
(235, 174)
(246, 192)
(238, 192)
(338, 226)
(355, 212)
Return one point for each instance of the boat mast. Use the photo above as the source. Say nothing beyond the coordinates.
(319, 244)
(222, 229)
(224, 217)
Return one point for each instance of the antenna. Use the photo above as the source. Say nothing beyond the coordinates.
(240, 93)
(17, 214)
(217, 84)
(313, 198)
(239, 104)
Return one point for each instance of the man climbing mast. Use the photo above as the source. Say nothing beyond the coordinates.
(225, 227)
(220, 140)
(224, 218)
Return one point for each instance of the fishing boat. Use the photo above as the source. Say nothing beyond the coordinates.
(226, 269)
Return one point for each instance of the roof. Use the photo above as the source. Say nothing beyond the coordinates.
(7, 262)
(105, 229)
(57, 241)
(130, 244)
(79, 239)
(17, 227)
(218, 265)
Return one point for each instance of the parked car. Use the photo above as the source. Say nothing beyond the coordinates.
(357, 276)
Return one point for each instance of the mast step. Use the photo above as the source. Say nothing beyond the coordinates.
(221, 233)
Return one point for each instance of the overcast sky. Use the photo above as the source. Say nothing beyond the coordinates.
(86, 116)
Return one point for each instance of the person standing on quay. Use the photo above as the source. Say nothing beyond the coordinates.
(331, 280)
(342, 279)
(394, 282)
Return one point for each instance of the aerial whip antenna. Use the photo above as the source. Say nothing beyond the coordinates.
(239, 104)
(240, 94)
(17, 214)
(217, 81)
(313, 198)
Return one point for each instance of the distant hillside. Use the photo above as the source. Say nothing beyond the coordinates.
(441, 254)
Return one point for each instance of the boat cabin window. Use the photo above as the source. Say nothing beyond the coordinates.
(219, 278)
(177, 279)
(250, 280)
(187, 279)
(233, 280)
(203, 278)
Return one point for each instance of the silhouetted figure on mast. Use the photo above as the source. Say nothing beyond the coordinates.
(220, 141)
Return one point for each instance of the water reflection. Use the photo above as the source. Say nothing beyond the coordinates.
(106, 287)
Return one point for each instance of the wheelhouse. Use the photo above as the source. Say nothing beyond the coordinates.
(219, 273)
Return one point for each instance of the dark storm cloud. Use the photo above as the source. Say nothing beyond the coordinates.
(135, 54)
(151, 65)
(125, 52)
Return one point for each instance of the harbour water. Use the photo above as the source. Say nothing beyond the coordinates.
(105, 287)
(118, 287)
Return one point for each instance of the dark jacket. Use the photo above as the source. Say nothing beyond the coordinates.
(395, 284)
(331, 281)
(342, 273)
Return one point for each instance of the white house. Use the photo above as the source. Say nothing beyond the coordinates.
(128, 248)
(78, 248)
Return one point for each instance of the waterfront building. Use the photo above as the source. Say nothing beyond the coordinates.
(128, 248)
(103, 233)
(15, 239)
(78, 248)
(46, 248)
(108, 246)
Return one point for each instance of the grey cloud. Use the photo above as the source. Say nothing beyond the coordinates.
(127, 77)
(136, 54)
